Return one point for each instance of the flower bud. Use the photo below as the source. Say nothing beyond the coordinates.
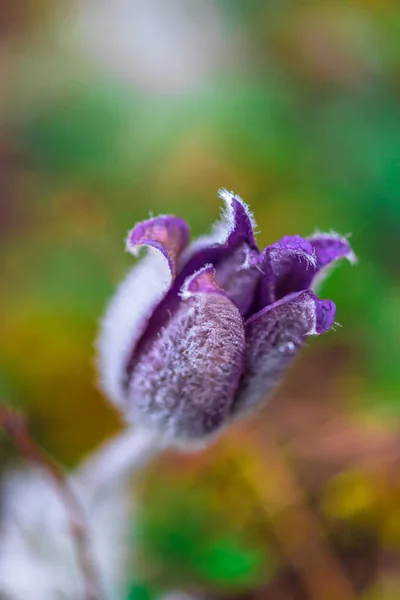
(200, 334)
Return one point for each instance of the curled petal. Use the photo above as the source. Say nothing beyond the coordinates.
(236, 225)
(238, 221)
(285, 265)
(166, 233)
(273, 338)
(237, 272)
(131, 309)
(295, 263)
(328, 248)
(203, 281)
(232, 249)
(331, 246)
(185, 381)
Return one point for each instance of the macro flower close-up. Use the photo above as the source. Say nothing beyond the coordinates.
(200, 333)
(199, 307)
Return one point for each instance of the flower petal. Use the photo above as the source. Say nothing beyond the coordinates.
(232, 249)
(131, 309)
(285, 265)
(273, 338)
(238, 221)
(328, 248)
(126, 319)
(236, 225)
(166, 233)
(295, 264)
(325, 315)
(331, 246)
(185, 381)
(239, 275)
(202, 282)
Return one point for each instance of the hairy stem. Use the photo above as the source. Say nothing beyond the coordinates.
(15, 426)
(116, 460)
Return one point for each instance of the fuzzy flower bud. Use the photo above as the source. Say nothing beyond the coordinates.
(199, 334)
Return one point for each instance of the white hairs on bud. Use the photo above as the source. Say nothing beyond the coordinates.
(221, 228)
(351, 257)
(323, 273)
(126, 318)
(227, 215)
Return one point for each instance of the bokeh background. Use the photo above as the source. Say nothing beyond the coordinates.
(110, 109)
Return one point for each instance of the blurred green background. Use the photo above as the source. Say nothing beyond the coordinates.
(114, 109)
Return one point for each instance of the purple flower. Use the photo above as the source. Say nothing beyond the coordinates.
(199, 334)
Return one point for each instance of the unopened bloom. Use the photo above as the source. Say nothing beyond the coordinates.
(199, 334)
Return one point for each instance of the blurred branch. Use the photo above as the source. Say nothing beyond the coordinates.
(15, 426)
(298, 531)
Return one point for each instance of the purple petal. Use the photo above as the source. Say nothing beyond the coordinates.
(239, 275)
(232, 250)
(235, 226)
(239, 220)
(185, 381)
(235, 275)
(129, 314)
(325, 316)
(166, 233)
(295, 264)
(331, 246)
(273, 338)
(328, 248)
(202, 282)
(285, 265)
